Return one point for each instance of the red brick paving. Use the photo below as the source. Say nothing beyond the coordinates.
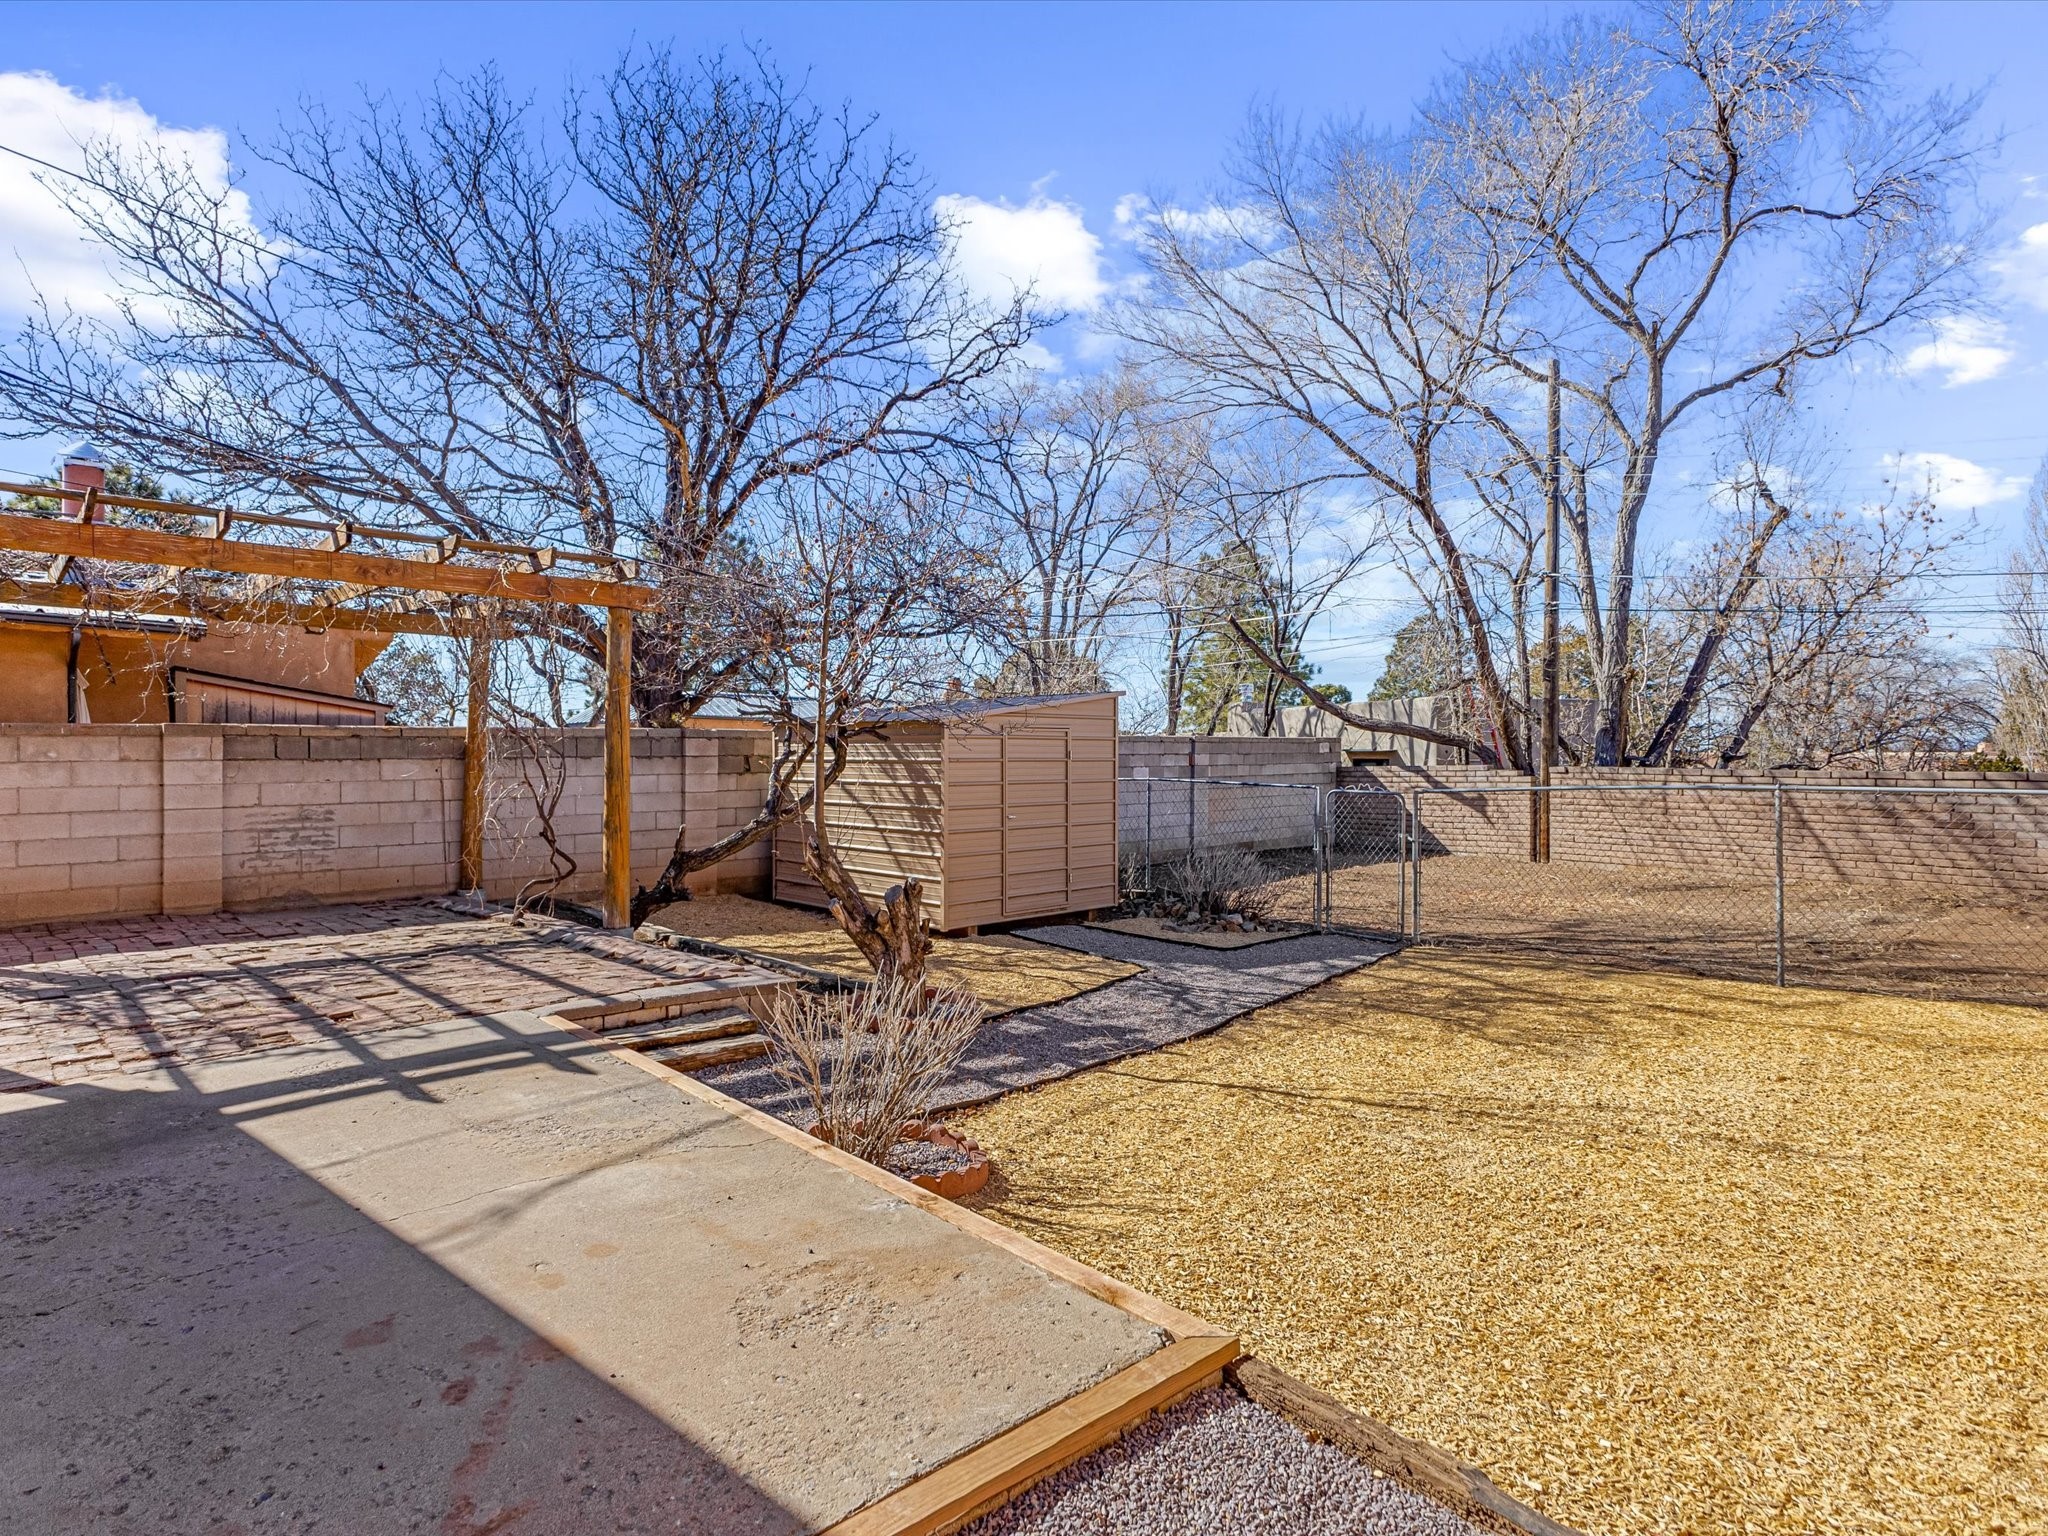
(87, 1000)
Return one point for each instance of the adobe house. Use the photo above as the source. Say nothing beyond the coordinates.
(63, 664)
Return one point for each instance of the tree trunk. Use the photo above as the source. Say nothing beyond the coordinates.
(1492, 693)
(1680, 714)
(896, 939)
(683, 861)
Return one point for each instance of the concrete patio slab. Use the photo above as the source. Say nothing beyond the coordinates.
(485, 1276)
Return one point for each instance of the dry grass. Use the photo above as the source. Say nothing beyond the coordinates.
(1661, 1254)
(1005, 973)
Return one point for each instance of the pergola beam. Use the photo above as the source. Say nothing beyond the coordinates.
(147, 546)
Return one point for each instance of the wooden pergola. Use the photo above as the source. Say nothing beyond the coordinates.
(372, 578)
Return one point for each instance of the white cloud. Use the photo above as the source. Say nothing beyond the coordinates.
(1044, 246)
(1949, 483)
(40, 248)
(2024, 266)
(1964, 349)
(1135, 213)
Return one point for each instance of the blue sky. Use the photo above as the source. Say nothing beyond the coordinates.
(1038, 119)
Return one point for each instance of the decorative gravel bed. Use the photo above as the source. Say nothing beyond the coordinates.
(1658, 1254)
(1180, 992)
(1218, 1465)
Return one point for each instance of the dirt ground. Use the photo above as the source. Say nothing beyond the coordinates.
(1660, 1254)
(1906, 938)
(1004, 972)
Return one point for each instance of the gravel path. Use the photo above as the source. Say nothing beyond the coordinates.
(1182, 991)
(1218, 1465)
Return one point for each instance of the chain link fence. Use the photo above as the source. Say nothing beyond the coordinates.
(1162, 821)
(1930, 892)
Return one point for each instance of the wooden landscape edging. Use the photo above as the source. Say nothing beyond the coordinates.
(996, 1471)
(1466, 1491)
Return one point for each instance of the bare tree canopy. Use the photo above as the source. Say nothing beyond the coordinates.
(862, 594)
(619, 324)
(1058, 488)
(1691, 205)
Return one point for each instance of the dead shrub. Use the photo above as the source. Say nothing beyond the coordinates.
(870, 1059)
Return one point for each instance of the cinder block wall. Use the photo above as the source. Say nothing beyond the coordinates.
(106, 821)
(1968, 840)
(1263, 811)
(1276, 759)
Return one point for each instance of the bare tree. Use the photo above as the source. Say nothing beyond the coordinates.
(867, 590)
(1174, 453)
(622, 326)
(1664, 171)
(617, 327)
(1060, 491)
(1691, 205)
(1830, 658)
(532, 696)
(1283, 560)
(1333, 292)
(2022, 657)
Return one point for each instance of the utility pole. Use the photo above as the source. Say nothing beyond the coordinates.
(1539, 813)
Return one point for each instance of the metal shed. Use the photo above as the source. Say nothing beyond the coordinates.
(1004, 808)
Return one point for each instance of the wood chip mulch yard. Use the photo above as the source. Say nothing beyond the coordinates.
(1004, 972)
(1657, 1253)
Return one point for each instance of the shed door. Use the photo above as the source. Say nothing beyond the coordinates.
(1035, 854)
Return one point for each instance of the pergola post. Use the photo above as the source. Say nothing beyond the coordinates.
(618, 767)
(475, 755)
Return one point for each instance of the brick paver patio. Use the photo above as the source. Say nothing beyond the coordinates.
(87, 1000)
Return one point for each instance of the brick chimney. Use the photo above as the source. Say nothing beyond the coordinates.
(84, 469)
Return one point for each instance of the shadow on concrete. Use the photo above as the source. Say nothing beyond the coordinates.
(197, 1334)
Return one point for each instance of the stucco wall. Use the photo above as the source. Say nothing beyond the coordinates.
(103, 821)
(126, 673)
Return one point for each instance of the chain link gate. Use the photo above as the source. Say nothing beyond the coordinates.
(1367, 843)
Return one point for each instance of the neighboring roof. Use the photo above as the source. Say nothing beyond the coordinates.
(934, 713)
(87, 618)
(974, 708)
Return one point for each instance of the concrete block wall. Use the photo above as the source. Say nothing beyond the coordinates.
(1969, 840)
(82, 821)
(1277, 759)
(315, 814)
(109, 821)
(709, 782)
